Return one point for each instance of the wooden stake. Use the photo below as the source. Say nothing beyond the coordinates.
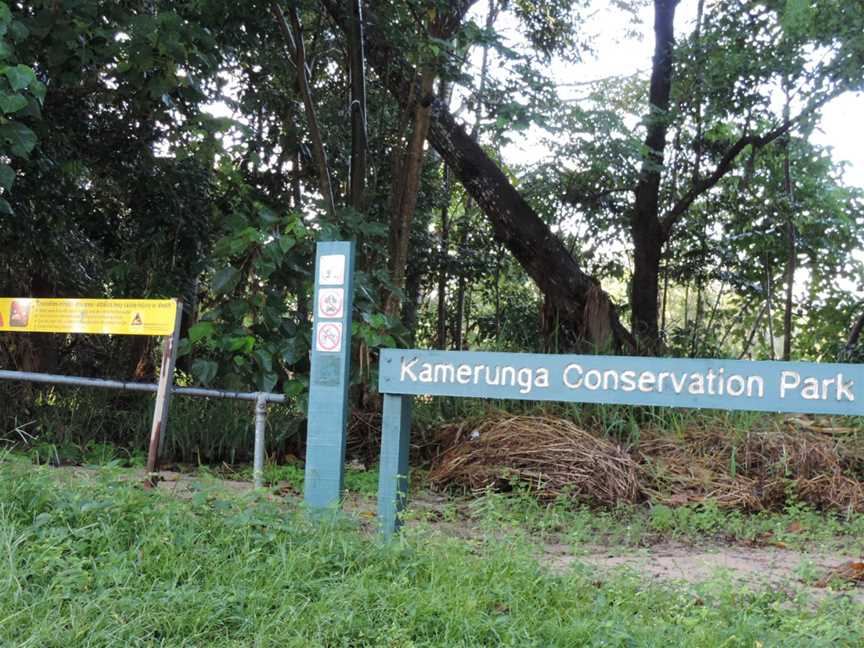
(163, 397)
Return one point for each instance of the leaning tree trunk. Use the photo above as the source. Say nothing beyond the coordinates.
(515, 224)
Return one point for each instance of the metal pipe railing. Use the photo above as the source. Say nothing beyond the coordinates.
(200, 392)
(261, 399)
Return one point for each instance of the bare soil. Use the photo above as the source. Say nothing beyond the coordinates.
(753, 567)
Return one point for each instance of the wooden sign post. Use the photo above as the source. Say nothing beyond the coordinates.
(330, 370)
(159, 425)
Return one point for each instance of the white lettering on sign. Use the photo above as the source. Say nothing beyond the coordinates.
(331, 270)
(328, 337)
(674, 382)
(331, 302)
(525, 378)
(816, 389)
(711, 383)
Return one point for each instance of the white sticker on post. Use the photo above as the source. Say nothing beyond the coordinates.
(328, 337)
(331, 271)
(331, 302)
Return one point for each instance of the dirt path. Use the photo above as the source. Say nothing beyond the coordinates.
(792, 572)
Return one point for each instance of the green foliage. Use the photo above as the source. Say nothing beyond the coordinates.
(21, 98)
(162, 149)
(248, 333)
(67, 425)
(361, 482)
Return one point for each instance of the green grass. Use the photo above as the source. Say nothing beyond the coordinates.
(105, 563)
(798, 526)
(361, 482)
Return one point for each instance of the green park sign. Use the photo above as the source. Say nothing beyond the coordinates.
(721, 384)
(672, 382)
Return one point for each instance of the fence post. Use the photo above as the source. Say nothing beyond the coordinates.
(260, 427)
(393, 467)
(163, 396)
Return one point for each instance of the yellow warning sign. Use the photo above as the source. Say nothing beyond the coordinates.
(105, 316)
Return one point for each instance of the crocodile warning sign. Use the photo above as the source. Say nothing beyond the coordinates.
(101, 316)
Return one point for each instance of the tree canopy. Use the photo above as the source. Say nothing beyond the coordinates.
(199, 148)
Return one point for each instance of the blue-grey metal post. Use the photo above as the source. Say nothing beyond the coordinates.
(328, 385)
(260, 426)
(393, 467)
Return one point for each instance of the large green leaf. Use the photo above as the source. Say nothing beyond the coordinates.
(10, 103)
(205, 371)
(265, 380)
(286, 242)
(264, 358)
(225, 279)
(243, 343)
(5, 208)
(20, 76)
(18, 30)
(17, 139)
(7, 176)
(268, 216)
(200, 330)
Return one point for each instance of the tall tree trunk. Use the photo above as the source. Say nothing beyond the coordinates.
(665, 299)
(359, 142)
(461, 286)
(515, 224)
(444, 262)
(413, 283)
(791, 251)
(498, 260)
(698, 139)
(769, 308)
(646, 229)
(458, 337)
(686, 304)
(697, 321)
(406, 185)
(748, 342)
(297, 205)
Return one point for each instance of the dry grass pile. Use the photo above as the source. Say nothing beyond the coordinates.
(757, 470)
(553, 456)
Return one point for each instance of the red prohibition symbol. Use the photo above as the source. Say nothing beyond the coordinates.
(329, 337)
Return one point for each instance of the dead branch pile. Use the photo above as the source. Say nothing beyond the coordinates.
(758, 470)
(553, 456)
(761, 469)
